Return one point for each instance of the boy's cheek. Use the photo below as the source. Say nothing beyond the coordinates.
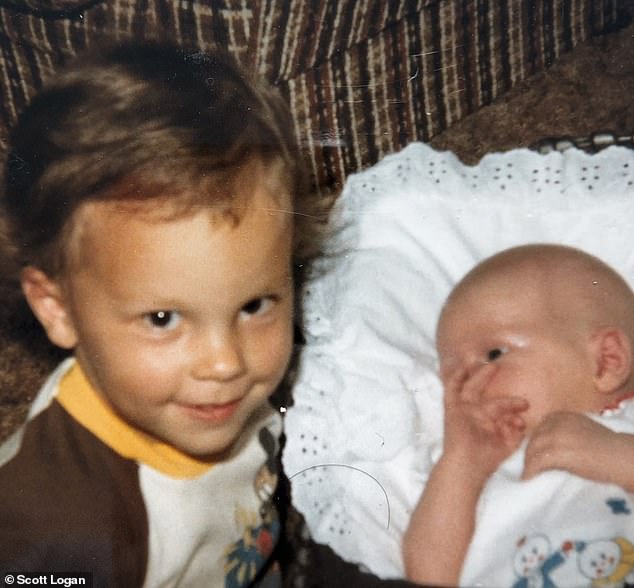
(284, 353)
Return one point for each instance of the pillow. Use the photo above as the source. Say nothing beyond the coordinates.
(367, 412)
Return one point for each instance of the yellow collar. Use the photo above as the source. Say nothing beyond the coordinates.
(90, 410)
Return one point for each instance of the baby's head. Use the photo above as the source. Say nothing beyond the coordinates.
(558, 324)
(151, 200)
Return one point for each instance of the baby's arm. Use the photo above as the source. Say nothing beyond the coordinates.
(441, 527)
(479, 435)
(577, 444)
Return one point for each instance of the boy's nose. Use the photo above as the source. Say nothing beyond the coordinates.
(218, 358)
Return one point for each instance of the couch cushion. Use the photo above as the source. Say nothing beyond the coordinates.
(363, 77)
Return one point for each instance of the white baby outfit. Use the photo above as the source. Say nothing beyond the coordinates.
(553, 531)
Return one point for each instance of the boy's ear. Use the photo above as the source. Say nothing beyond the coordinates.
(612, 354)
(46, 299)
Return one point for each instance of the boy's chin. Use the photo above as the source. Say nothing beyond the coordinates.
(213, 444)
(216, 456)
(212, 453)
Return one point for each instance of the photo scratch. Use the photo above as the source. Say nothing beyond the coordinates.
(350, 467)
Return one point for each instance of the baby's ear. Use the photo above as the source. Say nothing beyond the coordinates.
(612, 353)
(46, 299)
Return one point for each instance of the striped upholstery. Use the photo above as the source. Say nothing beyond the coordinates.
(363, 77)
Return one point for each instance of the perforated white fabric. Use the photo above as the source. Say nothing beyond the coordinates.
(367, 412)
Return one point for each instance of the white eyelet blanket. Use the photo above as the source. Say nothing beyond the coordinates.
(367, 417)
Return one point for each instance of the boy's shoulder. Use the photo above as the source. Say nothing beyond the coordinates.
(62, 487)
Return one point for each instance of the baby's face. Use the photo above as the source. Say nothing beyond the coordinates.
(184, 325)
(535, 357)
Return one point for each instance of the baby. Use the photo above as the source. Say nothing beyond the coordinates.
(532, 342)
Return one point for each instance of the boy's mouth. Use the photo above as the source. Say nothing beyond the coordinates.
(213, 413)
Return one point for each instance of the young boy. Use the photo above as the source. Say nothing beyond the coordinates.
(156, 215)
(529, 341)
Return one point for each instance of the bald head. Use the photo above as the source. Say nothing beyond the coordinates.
(566, 284)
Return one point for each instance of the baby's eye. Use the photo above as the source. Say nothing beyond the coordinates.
(258, 305)
(496, 353)
(163, 319)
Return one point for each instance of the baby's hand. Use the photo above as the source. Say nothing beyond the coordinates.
(480, 432)
(575, 443)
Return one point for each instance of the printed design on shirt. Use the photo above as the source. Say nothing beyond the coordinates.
(618, 506)
(260, 530)
(535, 560)
(607, 563)
(602, 563)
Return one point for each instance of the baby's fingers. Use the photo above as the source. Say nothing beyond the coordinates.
(505, 414)
(568, 441)
(463, 386)
(505, 406)
(475, 385)
(511, 428)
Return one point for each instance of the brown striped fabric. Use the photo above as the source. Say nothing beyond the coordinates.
(363, 77)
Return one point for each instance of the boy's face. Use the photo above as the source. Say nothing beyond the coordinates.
(537, 357)
(184, 325)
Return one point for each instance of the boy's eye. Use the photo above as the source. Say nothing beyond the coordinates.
(496, 353)
(163, 319)
(257, 306)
